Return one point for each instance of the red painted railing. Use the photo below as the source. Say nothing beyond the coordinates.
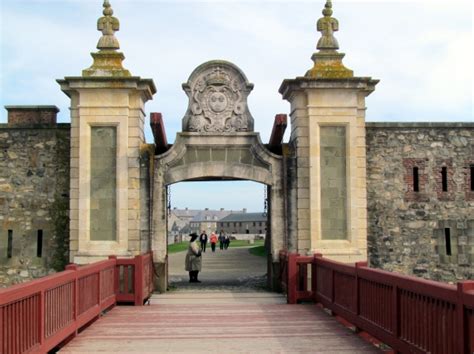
(128, 286)
(39, 315)
(408, 313)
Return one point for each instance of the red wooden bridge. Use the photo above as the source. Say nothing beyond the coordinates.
(409, 314)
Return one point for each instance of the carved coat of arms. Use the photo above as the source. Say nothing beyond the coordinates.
(217, 92)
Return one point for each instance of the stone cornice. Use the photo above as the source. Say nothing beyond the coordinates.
(288, 86)
(72, 83)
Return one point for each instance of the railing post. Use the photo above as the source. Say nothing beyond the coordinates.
(292, 278)
(357, 289)
(2, 340)
(42, 319)
(138, 280)
(464, 336)
(357, 292)
(74, 268)
(314, 280)
(116, 277)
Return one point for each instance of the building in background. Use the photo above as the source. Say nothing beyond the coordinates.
(245, 224)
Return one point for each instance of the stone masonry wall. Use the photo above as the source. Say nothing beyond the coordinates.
(34, 174)
(427, 230)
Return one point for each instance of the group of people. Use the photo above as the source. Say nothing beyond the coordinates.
(193, 260)
(223, 239)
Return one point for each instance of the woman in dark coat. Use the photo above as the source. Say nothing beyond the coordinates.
(193, 262)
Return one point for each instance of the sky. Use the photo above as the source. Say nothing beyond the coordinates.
(420, 50)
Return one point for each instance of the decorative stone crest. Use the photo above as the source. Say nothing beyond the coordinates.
(217, 92)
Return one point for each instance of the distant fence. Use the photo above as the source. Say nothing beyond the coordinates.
(410, 314)
(39, 315)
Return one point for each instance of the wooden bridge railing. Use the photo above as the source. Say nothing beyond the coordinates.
(408, 313)
(39, 315)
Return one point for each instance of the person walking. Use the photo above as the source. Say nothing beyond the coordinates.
(226, 241)
(221, 239)
(213, 240)
(193, 260)
(203, 240)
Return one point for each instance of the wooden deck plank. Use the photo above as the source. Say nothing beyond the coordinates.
(198, 323)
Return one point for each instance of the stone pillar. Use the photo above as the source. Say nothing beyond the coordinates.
(328, 137)
(107, 133)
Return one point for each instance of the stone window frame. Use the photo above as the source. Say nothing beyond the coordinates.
(448, 195)
(467, 180)
(421, 194)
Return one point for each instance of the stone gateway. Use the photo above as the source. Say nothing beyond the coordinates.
(400, 195)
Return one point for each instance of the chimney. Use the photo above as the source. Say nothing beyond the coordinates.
(244, 210)
(26, 116)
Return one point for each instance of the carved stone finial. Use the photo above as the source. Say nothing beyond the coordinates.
(107, 61)
(327, 61)
(327, 25)
(108, 25)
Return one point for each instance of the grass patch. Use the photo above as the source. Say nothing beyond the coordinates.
(259, 251)
(183, 246)
(245, 243)
(178, 247)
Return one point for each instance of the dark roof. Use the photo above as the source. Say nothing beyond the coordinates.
(242, 217)
(210, 215)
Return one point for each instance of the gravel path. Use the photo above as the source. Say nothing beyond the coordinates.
(232, 269)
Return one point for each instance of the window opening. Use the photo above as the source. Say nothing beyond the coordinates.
(39, 243)
(444, 178)
(447, 237)
(416, 182)
(10, 244)
(472, 178)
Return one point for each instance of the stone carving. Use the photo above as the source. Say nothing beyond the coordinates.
(217, 92)
(327, 25)
(108, 25)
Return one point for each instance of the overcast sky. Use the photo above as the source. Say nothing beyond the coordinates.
(422, 51)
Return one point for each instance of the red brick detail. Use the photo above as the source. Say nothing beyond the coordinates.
(467, 180)
(23, 116)
(410, 194)
(438, 186)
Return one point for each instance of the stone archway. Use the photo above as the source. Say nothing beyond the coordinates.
(217, 143)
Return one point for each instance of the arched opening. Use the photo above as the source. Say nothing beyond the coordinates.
(196, 157)
(233, 214)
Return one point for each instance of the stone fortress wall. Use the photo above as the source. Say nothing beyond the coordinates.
(34, 183)
(421, 225)
(407, 230)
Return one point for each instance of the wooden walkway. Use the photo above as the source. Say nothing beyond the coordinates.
(218, 322)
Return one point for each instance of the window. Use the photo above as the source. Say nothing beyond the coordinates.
(39, 243)
(447, 238)
(416, 181)
(472, 178)
(10, 244)
(444, 178)
(254, 223)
